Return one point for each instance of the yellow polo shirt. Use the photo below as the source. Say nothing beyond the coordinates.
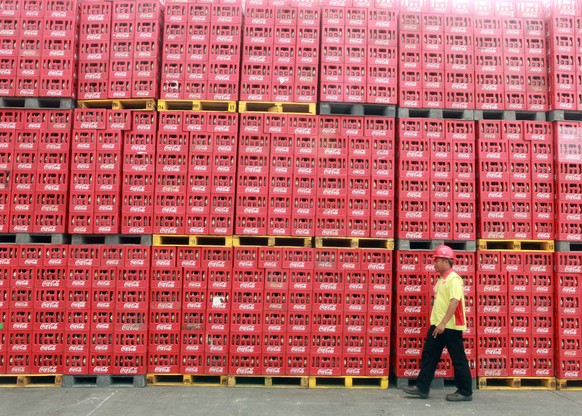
(449, 286)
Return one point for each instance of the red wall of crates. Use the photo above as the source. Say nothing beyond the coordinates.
(133, 162)
(195, 310)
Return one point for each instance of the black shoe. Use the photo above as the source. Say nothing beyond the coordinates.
(458, 397)
(413, 391)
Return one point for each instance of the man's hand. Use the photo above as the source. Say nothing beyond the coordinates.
(438, 330)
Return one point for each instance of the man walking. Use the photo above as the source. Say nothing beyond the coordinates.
(447, 323)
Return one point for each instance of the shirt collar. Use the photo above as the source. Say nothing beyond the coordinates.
(446, 274)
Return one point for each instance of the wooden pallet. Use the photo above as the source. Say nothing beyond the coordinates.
(276, 107)
(120, 104)
(103, 381)
(271, 241)
(358, 109)
(516, 245)
(509, 115)
(43, 103)
(350, 242)
(31, 380)
(569, 384)
(268, 381)
(564, 115)
(185, 380)
(469, 246)
(192, 240)
(348, 382)
(517, 383)
(112, 239)
(30, 238)
(569, 246)
(437, 113)
(197, 105)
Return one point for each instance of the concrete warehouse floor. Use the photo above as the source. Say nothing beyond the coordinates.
(218, 401)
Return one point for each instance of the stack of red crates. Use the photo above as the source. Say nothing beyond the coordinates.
(171, 169)
(380, 134)
(82, 284)
(563, 55)
(491, 303)
(131, 304)
(489, 51)
(515, 308)
(516, 181)
(280, 52)
(39, 40)
(118, 51)
(28, 306)
(359, 59)
(333, 182)
(35, 153)
(94, 50)
(165, 312)
(256, 207)
(461, 135)
(276, 180)
(206, 308)
(137, 171)
(95, 174)
(135, 27)
(436, 180)
(414, 179)
(201, 51)
(510, 57)
(568, 145)
(536, 59)
(459, 61)
(542, 153)
(195, 173)
(567, 319)
(415, 278)
(269, 310)
(423, 39)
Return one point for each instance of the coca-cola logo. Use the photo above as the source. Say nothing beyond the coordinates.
(328, 328)
(247, 371)
(246, 328)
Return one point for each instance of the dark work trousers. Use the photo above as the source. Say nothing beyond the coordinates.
(431, 354)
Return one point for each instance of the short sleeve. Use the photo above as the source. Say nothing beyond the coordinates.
(456, 290)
